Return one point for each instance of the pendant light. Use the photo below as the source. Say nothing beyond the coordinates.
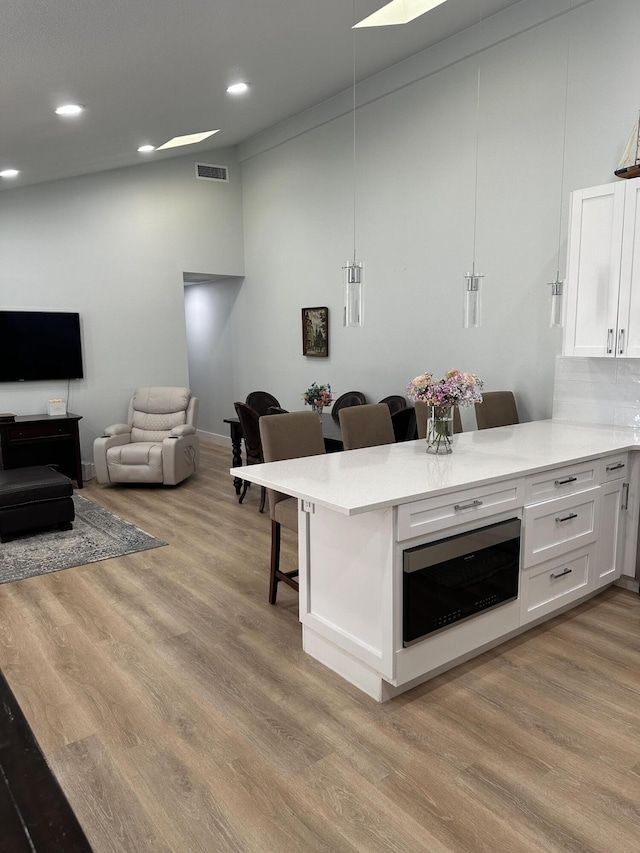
(557, 286)
(472, 293)
(353, 269)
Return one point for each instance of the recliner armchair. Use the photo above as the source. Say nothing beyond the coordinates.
(158, 444)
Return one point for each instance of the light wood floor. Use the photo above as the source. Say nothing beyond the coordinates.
(179, 713)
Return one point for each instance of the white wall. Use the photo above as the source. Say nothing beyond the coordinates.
(415, 196)
(210, 349)
(114, 247)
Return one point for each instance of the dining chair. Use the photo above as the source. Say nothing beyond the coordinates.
(404, 424)
(249, 424)
(422, 414)
(498, 408)
(395, 402)
(366, 426)
(288, 436)
(349, 398)
(260, 401)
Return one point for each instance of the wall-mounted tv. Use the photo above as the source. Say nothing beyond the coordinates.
(40, 345)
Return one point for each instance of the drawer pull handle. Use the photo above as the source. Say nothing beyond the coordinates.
(567, 517)
(561, 574)
(458, 507)
(615, 467)
(565, 481)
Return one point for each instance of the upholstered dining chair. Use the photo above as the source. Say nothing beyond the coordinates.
(349, 398)
(366, 426)
(498, 408)
(395, 402)
(249, 425)
(422, 414)
(157, 444)
(288, 436)
(260, 401)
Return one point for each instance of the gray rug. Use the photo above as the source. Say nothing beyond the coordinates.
(97, 535)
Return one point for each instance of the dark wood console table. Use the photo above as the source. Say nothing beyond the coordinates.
(43, 440)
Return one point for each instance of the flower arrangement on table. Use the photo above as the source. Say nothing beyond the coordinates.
(317, 396)
(456, 389)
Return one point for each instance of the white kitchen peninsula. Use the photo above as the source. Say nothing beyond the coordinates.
(574, 487)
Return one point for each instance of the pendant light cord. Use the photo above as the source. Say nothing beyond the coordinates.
(564, 139)
(354, 130)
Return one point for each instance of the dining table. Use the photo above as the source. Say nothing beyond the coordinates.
(331, 433)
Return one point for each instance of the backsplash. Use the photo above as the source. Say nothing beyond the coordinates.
(597, 390)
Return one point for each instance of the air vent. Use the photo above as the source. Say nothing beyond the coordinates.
(212, 173)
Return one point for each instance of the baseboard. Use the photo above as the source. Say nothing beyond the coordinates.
(213, 438)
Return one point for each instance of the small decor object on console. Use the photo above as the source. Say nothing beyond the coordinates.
(56, 407)
(456, 389)
(317, 396)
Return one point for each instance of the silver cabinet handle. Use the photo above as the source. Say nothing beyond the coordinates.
(458, 507)
(609, 340)
(620, 341)
(567, 517)
(615, 467)
(565, 481)
(561, 574)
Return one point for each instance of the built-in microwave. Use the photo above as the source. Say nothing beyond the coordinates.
(458, 577)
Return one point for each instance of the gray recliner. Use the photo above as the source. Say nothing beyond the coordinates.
(158, 444)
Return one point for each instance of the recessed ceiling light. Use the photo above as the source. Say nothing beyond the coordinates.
(146, 149)
(9, 173)
(238, 88)
(189, 139)
(398, 12)
(69, 110)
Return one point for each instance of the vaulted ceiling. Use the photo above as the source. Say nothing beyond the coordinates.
(148, 70)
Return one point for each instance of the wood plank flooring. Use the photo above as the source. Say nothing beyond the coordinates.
(180, 715)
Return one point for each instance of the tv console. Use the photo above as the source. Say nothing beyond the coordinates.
(42, 440)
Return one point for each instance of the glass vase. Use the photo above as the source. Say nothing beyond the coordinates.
(440, 429)
(317, 407)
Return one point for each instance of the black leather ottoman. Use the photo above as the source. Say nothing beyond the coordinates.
(35, 497)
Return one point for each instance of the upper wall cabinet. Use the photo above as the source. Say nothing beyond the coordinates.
(603, 272)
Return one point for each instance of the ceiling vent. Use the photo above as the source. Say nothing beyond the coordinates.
(212, 173)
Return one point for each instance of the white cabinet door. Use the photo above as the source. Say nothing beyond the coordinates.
(611, 539)
(593, 270)
(628, 332)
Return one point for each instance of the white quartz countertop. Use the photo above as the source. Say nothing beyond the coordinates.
(355, 481)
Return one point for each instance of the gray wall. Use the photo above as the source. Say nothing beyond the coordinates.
(415, 196)
(114, 246)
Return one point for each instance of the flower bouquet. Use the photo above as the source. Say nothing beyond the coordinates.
(456, 389)
(317, 396)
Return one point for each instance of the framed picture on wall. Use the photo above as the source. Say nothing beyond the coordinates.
(315, 332)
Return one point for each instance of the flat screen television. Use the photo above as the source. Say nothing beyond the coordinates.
(40, 345)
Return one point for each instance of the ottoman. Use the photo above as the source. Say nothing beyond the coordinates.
(35, 497)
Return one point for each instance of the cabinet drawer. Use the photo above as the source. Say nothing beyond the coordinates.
(33, 432)
(614, 467)
(555, 527)
(562, 481)
(553, 584)
(439, 513)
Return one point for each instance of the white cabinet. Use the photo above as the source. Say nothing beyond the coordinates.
(603, 272)
(611, 538)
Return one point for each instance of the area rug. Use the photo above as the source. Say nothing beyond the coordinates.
(97, 535)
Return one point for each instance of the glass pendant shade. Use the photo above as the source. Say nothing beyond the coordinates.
(556, 304)
(472, 318)
(353, 293)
